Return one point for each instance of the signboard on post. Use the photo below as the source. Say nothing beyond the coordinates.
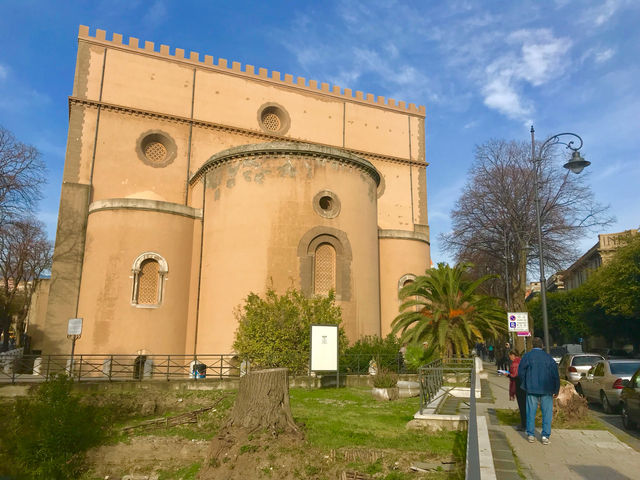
(519, 322)
(74, 327)
(324, 348)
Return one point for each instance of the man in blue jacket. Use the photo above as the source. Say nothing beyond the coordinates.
(539, 377)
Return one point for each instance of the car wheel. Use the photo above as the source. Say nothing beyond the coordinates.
(626, 421)
(606, 406)
(579, 390)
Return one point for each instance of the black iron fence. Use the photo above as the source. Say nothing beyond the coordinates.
(443, 374)
(31, 368)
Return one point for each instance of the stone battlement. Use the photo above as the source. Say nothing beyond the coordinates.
(249, 71)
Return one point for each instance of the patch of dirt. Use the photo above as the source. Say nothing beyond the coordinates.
(147, 454)
(288, 457)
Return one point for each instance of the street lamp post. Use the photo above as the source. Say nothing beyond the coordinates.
(575, 165)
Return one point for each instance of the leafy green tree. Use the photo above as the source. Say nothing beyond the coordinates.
(443, 309)
(617, 283)
(275, 331)
(46, 435)
(571, 315)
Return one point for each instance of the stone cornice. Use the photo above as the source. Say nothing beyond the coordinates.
(404, 235)
(216, 126)
(286, 149)
(144, 204)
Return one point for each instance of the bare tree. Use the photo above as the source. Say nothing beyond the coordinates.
(22, 173)
(494, 220)
(25, 253)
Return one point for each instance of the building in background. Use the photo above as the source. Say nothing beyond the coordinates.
(189, 184)
(596, 256)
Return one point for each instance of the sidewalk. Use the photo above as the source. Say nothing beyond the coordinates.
(572, 454)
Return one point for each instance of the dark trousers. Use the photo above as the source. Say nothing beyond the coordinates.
(521, 397)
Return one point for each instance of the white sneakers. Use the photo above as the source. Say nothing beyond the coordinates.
(544, 440)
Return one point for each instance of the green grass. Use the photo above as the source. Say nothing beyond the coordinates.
(512, 417)
(350, 417)
(185, 473)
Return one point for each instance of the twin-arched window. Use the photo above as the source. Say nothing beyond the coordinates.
(149, 273)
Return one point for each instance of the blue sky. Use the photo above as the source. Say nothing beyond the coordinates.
(484, 69)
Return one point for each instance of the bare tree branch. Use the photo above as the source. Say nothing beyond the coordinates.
(494, 220)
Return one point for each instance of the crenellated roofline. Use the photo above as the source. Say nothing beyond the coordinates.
(248, 71)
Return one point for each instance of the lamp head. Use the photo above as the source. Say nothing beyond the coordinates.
(577, 163)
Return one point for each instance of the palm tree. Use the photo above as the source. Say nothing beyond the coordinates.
(443, 309)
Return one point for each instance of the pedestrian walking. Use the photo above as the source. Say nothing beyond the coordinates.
(538, 372)
(515, 389)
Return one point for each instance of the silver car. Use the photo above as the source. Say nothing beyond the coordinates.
(603, 382)
(574, 365)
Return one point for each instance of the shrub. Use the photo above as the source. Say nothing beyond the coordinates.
(385, 379)
(275, 331)
(47, 435)
(416, 355)
(385, 352)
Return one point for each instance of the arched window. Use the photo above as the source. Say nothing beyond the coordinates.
(325, 262)
(149, 274)
(406, 280)
(324, 269)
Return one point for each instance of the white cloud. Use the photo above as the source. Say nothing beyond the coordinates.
(601, 13)
(598, 55)
(156, 15)
(533, 57)
(4, 72)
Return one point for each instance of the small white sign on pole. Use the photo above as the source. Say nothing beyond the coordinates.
(518, 322)
(74, 327)
(324, 348)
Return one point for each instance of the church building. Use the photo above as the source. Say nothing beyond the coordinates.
(190, 182)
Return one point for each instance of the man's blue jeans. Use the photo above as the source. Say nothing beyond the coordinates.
(546, 406)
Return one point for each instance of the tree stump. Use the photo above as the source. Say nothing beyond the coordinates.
(263, 402)
(261, 415)
(569, 405)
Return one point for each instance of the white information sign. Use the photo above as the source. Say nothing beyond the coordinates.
(324, 348)
(74, 327)
(518, 322)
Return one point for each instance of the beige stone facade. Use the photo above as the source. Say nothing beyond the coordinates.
(598, 255)
(189, 184)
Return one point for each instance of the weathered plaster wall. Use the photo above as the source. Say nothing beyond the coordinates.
(115, 238)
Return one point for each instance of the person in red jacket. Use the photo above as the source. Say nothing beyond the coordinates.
(515, 389)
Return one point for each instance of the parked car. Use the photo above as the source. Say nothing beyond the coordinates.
(574, 365)
(630, 401)
(603, 382)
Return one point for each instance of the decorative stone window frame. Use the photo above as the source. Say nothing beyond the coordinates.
(156, 136)
(404, 279)
(332, 210)
(163, 270)
(277, 110)
(306, 254)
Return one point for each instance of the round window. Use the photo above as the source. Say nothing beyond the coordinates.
(273, 119)
(156, 149)
(326, 204)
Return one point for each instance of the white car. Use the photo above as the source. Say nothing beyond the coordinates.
(603, 382)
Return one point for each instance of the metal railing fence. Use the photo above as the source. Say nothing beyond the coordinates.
(472, 467)
(100, 367)
(452, 372)
(360, 363)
